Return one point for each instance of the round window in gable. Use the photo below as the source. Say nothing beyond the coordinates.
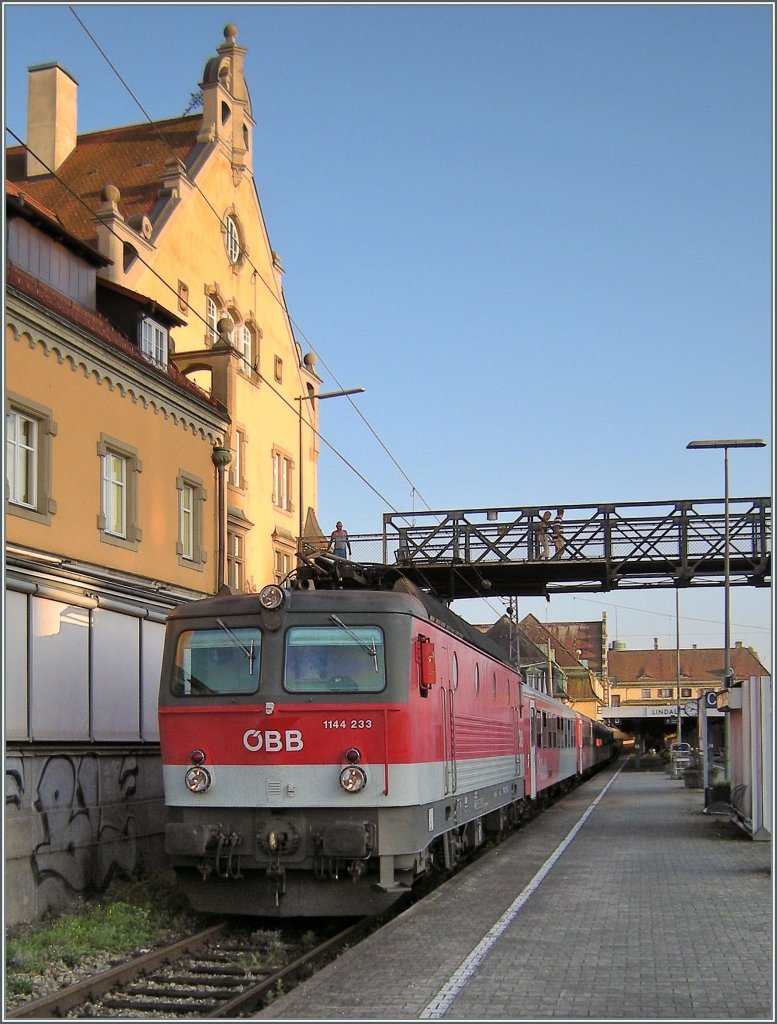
(232, 240)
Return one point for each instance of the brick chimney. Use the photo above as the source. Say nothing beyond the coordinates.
(655, 643)
(52, 110)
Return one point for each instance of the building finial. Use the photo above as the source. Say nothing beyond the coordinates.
(230, 32)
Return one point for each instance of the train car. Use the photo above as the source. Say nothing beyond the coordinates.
(325, 746)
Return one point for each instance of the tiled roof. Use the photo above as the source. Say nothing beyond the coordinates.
(698, 664)
(585, 637)
(131, 158)
(90, 320)
(539, 633)
(513, 638)
(14, 192)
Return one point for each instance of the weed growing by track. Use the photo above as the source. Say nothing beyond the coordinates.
(130, 916)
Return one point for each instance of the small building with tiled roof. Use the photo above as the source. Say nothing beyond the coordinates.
(585, 690)
(537, 665)
(586, 640)
(649, 687)
(651, 676)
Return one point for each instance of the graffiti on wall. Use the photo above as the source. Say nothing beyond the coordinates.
(84, 829)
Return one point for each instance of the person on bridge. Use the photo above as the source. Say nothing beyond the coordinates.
(558, 532)
(542, 535)
(339, 544)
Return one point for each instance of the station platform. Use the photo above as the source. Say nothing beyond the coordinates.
(622, 901)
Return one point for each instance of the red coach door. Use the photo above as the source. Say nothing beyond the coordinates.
(448, 698)
(532, 752)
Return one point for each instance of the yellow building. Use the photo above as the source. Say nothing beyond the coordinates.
(158, 410)
(174, 205)
(112, 519)
(648, 686)
(652, 677)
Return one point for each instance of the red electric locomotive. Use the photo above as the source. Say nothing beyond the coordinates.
(324, 748)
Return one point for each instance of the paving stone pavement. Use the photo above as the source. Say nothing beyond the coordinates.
(654, 911)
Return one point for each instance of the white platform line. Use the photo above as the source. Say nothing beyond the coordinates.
(462, 975)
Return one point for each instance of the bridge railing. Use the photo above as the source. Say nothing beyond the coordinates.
(679, 534)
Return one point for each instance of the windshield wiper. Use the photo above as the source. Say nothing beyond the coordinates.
(371, 650)
(249, 652)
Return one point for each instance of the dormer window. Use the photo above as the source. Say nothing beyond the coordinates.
(154, 341)
(232, 240)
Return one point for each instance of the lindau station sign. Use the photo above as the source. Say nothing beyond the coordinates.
(656, 711)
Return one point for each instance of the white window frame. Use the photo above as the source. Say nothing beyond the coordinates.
(191, 498)
(236, 559)
(37, 453)
(114, 494)
(154, 341)
(282, 480)
(212, 316)
(22, 459)
(186, 521)
(238, 459)
(282, 564)
(232, 240)
(246, 346)
(120, 469)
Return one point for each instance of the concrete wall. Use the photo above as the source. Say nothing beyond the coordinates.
(76, 820)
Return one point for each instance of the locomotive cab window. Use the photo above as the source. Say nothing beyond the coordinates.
(334, 659)
(221, 660)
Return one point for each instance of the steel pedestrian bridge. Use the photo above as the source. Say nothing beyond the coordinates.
(496, 551)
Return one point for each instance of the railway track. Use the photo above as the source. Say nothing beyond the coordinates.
(219, 972)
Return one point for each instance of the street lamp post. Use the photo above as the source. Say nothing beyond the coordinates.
(754, 442)
(727, 674)
(311, 398)
(677, 667)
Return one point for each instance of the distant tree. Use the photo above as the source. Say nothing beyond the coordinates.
(195, 102)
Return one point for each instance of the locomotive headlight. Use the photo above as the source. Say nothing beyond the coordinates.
(271, 597)
(353, 779)
(197, 779)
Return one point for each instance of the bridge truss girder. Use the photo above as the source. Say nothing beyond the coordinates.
(495, 552)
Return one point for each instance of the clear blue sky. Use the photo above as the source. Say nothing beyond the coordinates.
(539, 236)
